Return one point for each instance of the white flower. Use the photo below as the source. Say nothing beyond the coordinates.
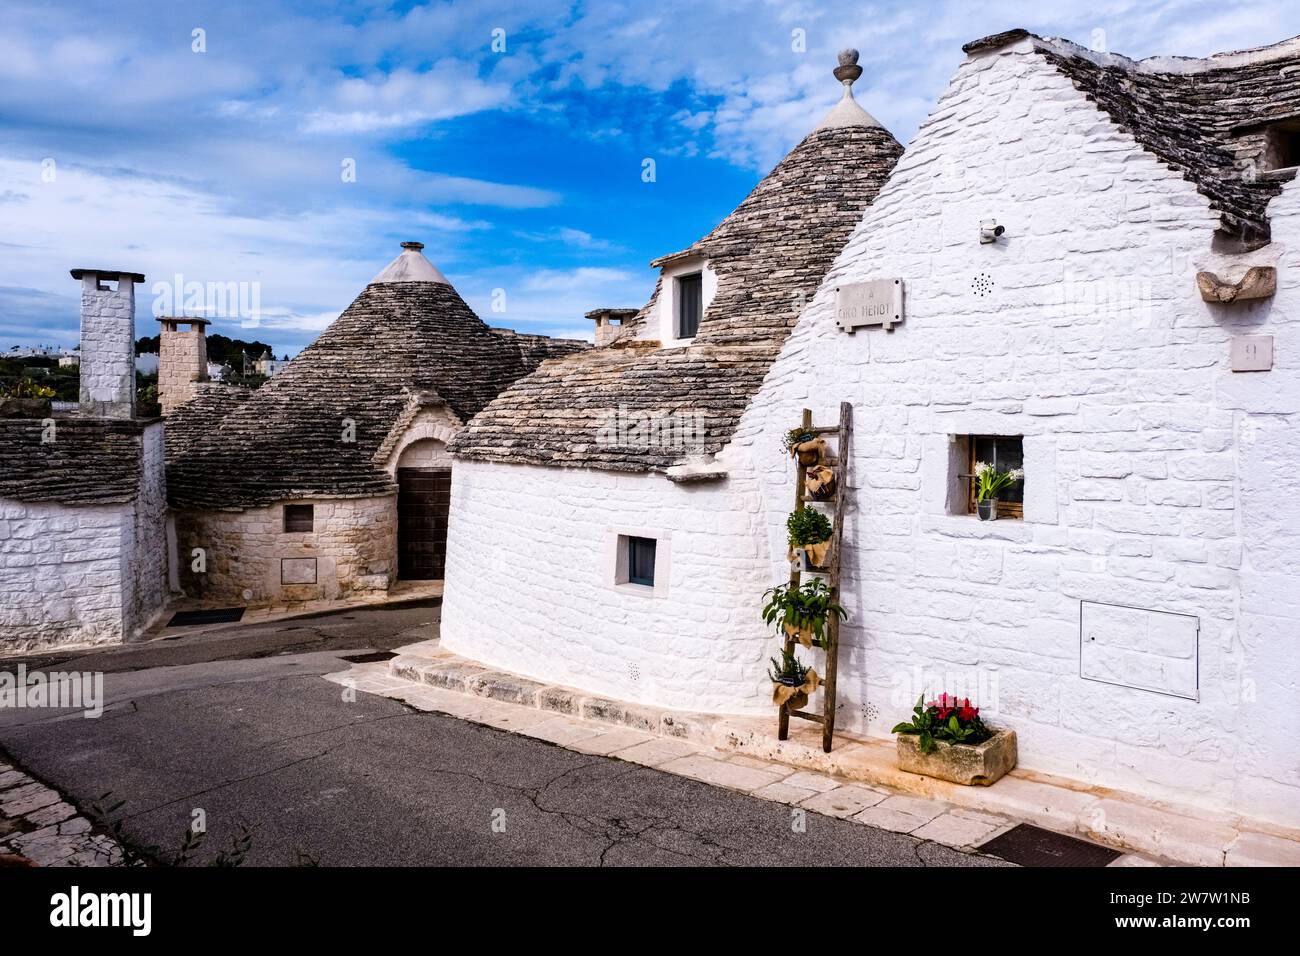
(981, 467)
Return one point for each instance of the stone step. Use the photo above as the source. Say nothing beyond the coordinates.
(449, 672)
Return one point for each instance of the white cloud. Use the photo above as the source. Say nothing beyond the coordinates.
(405, 98)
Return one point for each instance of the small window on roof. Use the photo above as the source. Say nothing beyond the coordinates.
(1281, 146)
(299, 517)
(690, 305)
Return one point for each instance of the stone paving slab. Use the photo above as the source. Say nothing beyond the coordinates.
(38, 825)
(858, 780)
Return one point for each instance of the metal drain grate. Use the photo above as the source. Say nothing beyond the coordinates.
(220, 615)
(373, 657)
(1029, 845)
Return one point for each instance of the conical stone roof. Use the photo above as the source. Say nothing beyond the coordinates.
(316, 428)
(769, 255)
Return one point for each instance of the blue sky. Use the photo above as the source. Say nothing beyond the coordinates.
(520, 170)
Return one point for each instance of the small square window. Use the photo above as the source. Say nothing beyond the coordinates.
(1004, 454)
(299, 517)
(641, 561)
(690, 305)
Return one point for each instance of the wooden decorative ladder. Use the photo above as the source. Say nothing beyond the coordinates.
(839, 461)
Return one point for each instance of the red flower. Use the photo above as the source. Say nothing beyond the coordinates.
(968, 712)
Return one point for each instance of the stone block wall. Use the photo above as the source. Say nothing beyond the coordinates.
(62, 570)
(107, 347)
(144, 581)
(182, 364)
(353, 546)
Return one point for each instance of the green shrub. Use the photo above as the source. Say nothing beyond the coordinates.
(807, 526)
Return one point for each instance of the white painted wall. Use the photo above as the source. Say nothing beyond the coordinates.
(531, 584)
(62, 572)
(84, 574)
(1157, 477)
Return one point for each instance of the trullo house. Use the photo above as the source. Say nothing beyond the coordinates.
(1100, 271)
(331, 480)
(83, 547)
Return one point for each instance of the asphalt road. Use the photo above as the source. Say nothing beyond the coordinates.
(238, 725)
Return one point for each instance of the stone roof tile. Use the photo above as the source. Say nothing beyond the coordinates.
(88, 462)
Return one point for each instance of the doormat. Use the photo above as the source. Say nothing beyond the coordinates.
(219, 615)
(1029, 845)
(373, 657)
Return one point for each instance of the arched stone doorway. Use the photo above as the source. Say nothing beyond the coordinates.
(423, 507)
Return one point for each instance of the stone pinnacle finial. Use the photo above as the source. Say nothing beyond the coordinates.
(848, 70)
(847, 112)
(417, 246)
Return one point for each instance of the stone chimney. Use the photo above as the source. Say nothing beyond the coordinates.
(107, 342)
(609, 323)
(182, 359)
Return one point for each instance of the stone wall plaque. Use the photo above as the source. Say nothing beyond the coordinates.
(864, 304)
(1157, 651)
(297, 570)
(1252, 353)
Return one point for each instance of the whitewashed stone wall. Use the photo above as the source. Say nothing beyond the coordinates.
(84, 574)
(62, 571)
(531, 585)
(107, 348)
(1156, 476)
(353, 545)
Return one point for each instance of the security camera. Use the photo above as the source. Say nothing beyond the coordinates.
(990, 231)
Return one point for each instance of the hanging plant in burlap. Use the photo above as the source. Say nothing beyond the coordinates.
(810, 452)
(792, 682)
(820, 482)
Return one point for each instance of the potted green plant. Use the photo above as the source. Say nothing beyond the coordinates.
(25, 399)
(802, 612)
(792, 681)
(989, 482)
(947, 739)
(810, 531)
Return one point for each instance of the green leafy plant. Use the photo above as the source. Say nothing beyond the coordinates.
(946, 718)
(990, 482)
(807, 526)
(26, 388)
(805, 609)
(797, 436)
(789, 670)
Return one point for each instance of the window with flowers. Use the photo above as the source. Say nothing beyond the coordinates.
(1003, 454)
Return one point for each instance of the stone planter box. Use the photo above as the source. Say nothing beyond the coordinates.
(978, 765)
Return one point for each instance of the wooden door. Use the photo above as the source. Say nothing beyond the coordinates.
(423, 504)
